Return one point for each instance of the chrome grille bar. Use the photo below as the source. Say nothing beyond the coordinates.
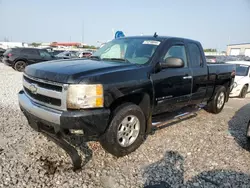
(51, 91)
(43, 91)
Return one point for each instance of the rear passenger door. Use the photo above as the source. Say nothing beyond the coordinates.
(31, 55)
(199, 71)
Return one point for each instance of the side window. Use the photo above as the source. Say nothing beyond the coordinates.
(29, 51)
(44, 53)
(195, 55)
(177, 51)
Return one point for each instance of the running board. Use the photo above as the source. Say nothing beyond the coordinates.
(163, 119)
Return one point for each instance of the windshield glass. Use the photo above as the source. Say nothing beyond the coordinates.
(137, 51)
(241, 70)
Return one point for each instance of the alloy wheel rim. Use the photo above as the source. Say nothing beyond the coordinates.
(221, 100)
(128, 131)
(20, 66)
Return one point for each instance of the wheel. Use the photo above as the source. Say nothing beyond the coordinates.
(20, 66)
(244, 91)
(126, 131)
(248, 132)
(217, 103)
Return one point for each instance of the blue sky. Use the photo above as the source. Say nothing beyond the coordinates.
(214, 23)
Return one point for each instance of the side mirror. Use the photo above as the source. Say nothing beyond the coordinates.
(172, 62)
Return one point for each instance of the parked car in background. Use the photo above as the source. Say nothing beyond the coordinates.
(1, 54)
(67, 55)
(211, 59)
(19, 58)
(56, 52)
(84, 54)
(117, 95)
(242, 79)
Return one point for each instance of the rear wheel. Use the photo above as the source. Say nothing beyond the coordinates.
(217, 103)
(244, 91)
(20, 66)
(126, 131)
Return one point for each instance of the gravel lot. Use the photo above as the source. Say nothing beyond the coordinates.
(204, 151)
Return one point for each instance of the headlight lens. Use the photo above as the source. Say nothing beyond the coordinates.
(85, 96)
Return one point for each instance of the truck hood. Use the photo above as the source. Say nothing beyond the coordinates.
(74, 70)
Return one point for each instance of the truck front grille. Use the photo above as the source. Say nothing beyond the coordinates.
(45, 93)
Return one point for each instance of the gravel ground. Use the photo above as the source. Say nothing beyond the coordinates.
(204, 151)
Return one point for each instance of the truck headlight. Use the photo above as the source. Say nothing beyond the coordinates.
(82, 96)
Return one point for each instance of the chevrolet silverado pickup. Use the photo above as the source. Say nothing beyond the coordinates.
(115, 95)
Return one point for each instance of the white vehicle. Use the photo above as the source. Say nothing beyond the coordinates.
(242, 79)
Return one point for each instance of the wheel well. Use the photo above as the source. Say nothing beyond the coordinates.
(20, 60)
(142, 100)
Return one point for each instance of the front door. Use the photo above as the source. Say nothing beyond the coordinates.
(45, 55)
(172, 86)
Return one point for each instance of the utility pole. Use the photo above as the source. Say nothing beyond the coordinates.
(83, 31)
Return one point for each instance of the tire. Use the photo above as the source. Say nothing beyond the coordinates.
(243, 92)
(215, 106)
(248, 134)
(116, 145)
(20, 66)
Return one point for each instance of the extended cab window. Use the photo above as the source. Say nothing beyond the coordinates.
(177, 51)
(195, 55)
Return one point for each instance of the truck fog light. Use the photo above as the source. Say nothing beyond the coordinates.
(76, 131)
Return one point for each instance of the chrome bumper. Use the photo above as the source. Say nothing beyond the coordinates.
(52, 116)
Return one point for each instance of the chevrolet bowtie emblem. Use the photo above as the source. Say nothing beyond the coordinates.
(33, 89)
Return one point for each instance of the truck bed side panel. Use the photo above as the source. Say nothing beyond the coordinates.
(219, 74)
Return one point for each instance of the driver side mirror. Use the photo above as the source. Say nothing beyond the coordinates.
(172, 62)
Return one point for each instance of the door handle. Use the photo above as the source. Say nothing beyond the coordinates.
(187, 77)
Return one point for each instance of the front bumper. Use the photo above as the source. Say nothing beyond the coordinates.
(236, 91)
(92, 122)
(56, 124)
(7, 62)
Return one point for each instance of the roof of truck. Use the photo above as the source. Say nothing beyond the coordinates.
(159, 38)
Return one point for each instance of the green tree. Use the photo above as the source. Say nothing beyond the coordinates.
(35, 44)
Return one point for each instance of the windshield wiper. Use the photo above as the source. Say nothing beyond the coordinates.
(117, 59)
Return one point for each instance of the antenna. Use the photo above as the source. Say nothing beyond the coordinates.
(155, 35)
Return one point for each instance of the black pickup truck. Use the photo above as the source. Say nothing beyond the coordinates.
(115, 95)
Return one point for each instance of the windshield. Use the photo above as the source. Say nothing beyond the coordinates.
(136, 51)
(242, 70)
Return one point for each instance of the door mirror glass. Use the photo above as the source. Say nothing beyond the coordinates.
(172, 62)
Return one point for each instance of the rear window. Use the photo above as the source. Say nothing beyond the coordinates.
(7, 51)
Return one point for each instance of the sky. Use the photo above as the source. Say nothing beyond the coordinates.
(215, 23)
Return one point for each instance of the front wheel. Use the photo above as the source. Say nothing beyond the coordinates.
(217, 103)
(244, 91)
(126, 131)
